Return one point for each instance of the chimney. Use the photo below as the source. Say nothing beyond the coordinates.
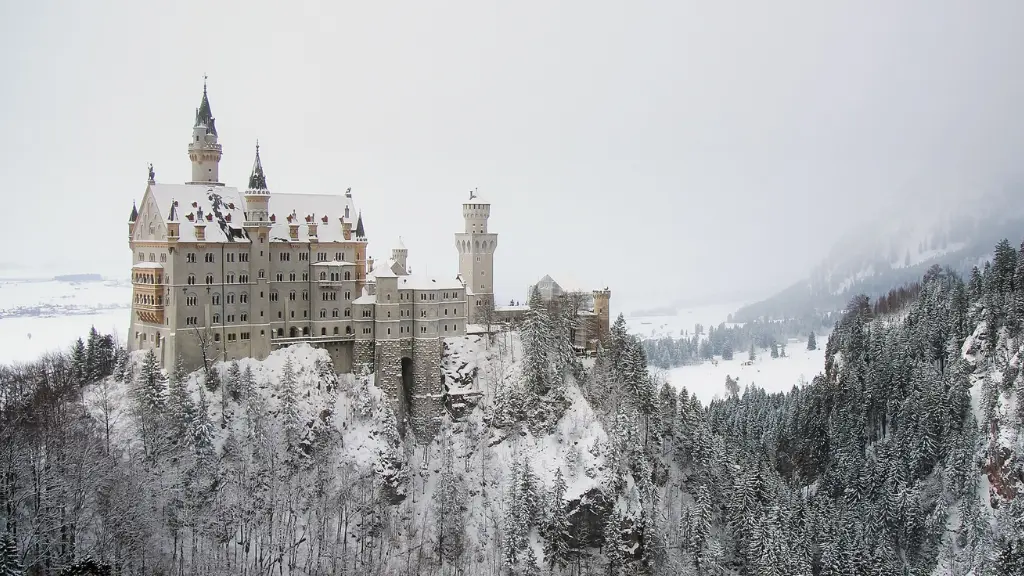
(346, 229)
(311, 224)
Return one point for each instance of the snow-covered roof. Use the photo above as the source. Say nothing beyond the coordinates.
(226, 207)
(148, 265)
(366, 299)
(520, 308)
(382, 270)
(334, 263)
(417, 282)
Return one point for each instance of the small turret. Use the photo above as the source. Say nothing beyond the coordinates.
(257, 195)
(602, 300)
(172, 222)
(400, 255)
(360, 232)
(131, 221)
(203, 149)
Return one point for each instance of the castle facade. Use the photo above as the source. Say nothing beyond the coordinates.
(220, 273)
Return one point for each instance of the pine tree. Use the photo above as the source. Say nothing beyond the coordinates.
(79, 367)
(536, 336)
(775, 350)
(448, 500)
(752, 355)
(727, 349)
(290, 405)
(782, 350)
(812, 344)
(557, 529)
(234, 381)
(181, 411)
(10, 562)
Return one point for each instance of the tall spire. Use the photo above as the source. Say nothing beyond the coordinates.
(257, 180)
(204, 116)
(135, 213)
(360, 233)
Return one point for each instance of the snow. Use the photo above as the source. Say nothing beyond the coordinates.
(682, 322)
(707, 380)
(48, 316)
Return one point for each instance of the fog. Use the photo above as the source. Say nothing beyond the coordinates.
(672, 150)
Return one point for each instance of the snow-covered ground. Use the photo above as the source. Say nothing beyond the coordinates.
(42, 316)
(25, 338)
(682, 322)
(707, 380)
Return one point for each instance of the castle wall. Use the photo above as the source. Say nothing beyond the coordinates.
(426, 392)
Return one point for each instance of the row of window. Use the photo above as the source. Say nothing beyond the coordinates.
(335, 276)
(140, 278)
(152, 257)
(228, 279)
(149, 299)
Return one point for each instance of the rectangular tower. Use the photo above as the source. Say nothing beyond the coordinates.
(476, 256)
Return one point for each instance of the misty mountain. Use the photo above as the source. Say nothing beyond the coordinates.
(881, 255)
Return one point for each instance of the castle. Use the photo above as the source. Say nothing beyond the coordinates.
(220, 273)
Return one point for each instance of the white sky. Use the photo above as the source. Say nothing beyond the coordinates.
(668, 150)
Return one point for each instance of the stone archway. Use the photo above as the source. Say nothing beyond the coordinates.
(405, 385)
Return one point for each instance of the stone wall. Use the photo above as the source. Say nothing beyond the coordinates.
(425, 411)
(388, 374)
(362, 354)
(341, 356)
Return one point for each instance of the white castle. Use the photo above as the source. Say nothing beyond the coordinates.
(221, 273)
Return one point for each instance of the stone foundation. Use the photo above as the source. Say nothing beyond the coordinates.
(425, 413)
(362, 354)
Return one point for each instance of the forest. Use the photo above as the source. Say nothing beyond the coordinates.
(900, 457)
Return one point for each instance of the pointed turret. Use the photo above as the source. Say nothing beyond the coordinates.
(134, 215)
(257, 180)
(203, 149)
(204, 116)
(172, 216)
(257, 196)
(360, 232)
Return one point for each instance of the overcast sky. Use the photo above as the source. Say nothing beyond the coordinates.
(667, 150)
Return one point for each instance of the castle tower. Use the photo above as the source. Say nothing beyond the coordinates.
(131, 222)
(203, 149)
(257, 227)
(602, 299)
(476, 255)
(401, 255)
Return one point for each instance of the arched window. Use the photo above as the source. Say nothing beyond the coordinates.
(280, 332)
(260, 274)
(335, 330)
(323, 331)
(293, 332)
(334, 313)
(191, 279)
(305, 330)
(291, 295)
(209, 278)
(216, 298)
(323, 313)
(348, 275)
(323, 275)
(231, 298)
(348, 329)
(243, 298)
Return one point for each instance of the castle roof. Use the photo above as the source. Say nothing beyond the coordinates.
(334, 263)
(418, 282)
(360, 232)
(257, 180)
(223, 212)
(135, 213)
(204, 115)
(382, 270)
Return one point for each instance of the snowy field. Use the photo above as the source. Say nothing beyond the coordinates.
(25, 338)
(43, 298)
(682, 322)
(707, 380)
(44, 316)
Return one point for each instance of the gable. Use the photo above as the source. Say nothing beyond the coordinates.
(150, 226)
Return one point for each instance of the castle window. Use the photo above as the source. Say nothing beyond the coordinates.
(323, 331)
(216, 318)
(208, 257)
(280, 332)
(190, 257)
(423, 329)
(291, 295)
(348, 275)
(303, 256)
(340, 256)
(243, 298)
(323, 313)
(292, 313)
(191, 279)
(348, 295)
(232, 337)
(231, 298)
(291, 277)
(323, 276)
(163, 257)
(278, 314)
(216, 337)
(209, 278)
(348, 329)
(303, 313)
(142, 257)
(231, 279)
(347, 313)
(244, 317)
(243, 257)
(389, 313)
(273, 295)
(389, 297)
(423, 313)
(260, 274)
(336, 330)
(305, 276)
(305, 296)
(389, 331)
(305, 330)
(445, 327)
(231, 318)
(280, 277)
(346, 211)
(191, 300)
(445, 311)
(229, 257)
(152, 257)
(334, 313)
(244, 335)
